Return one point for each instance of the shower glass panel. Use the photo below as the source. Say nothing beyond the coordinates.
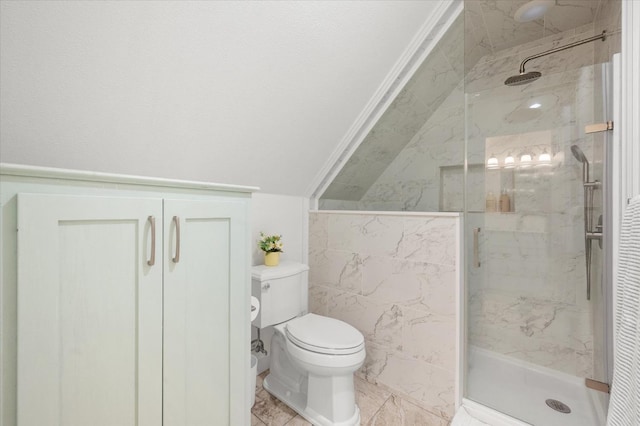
(534, 334)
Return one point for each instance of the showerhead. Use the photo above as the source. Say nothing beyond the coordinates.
(523, 78)
(577, 152)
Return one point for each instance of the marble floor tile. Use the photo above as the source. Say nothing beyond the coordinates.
(369, 398)
(255, 421)
(298, 421)
(398, 412)
(270, 410)
(378, 407)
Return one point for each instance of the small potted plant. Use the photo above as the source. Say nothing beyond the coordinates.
(271, 245)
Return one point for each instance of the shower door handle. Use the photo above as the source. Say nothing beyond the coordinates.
(476, 253)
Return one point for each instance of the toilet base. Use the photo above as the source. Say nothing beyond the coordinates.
(297, 401)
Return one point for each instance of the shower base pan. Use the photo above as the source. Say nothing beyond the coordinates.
(521, 390)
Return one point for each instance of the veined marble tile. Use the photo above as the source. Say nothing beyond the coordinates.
(543, 332)
(338, 269)
(434, 81)
(256, 421)
(384, 191)
(431, 240)
(422, 286)
(380, 323)
(420, 195)
(369, 398)
(375, 362)
(452, 46)
(432, 386)
(570, 14)
(545, 353)
(429, 386)
(271, 410)
(365, 234)
(430, 338)
(532, 317)
(490, 75)
(318, 230)
(318, 299)
(398, 412)
(504, 32)
(474, 20)
(298, 421)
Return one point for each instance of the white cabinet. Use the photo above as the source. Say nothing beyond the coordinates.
(107, 337)
(196, 310)
(89, 312)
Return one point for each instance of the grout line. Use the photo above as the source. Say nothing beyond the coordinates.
(379, 408)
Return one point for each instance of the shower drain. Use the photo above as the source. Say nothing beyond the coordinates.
(558, 406)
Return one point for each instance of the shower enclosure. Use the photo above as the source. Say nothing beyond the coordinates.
(537, 294)
(523, 161)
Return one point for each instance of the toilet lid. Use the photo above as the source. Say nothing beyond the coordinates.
(324, 335)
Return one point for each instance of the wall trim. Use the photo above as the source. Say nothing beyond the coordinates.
(7, 169)
(422, 44)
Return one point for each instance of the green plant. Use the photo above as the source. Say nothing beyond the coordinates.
(270, 243)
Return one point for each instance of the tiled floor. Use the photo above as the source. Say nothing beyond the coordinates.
(377, 407)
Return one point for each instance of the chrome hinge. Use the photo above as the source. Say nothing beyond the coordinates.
(599, 127)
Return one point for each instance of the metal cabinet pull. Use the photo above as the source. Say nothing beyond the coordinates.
(476, 254)
(152, 259)
(176, 258)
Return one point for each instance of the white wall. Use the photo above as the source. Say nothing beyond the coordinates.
(256, 93)
(284, 215)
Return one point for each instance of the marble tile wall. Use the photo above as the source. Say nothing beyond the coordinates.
(394, 278)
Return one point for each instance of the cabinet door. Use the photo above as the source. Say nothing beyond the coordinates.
(206, 300)
(89, 312)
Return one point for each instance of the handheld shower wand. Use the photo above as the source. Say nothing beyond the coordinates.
(577, 152)
(589, 234)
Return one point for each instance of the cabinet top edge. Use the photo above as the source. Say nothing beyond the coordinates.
(8, 169)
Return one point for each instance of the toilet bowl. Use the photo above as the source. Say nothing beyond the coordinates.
(313, 359)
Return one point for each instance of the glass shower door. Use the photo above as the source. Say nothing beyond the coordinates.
(535, 331)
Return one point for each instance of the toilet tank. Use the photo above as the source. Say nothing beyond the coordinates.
(282, 291)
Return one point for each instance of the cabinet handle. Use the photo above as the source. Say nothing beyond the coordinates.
(176, 258)
(152, 259)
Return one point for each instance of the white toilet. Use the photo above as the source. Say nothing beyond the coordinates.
(313, 358)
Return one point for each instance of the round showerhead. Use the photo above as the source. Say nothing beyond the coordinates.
(577, 152)
(524, 78)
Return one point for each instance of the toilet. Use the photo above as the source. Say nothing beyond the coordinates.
(313, 357)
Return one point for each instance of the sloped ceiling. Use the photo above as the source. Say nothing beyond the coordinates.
(255, 93)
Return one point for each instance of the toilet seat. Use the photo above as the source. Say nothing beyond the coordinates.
(324, 335)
